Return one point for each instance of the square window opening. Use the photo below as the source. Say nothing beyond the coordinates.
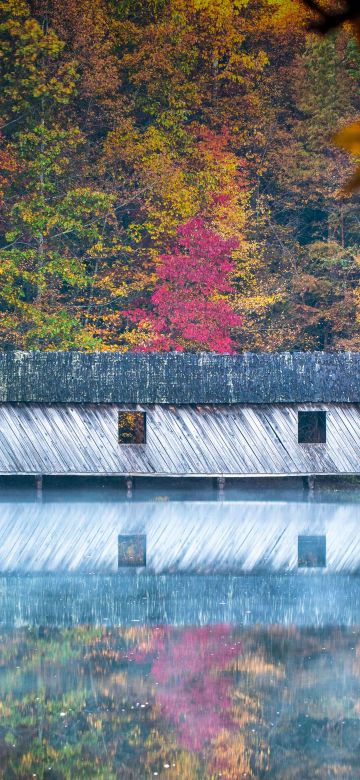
(132, 427)
(312, 427)
(311, 552)
(131, 550)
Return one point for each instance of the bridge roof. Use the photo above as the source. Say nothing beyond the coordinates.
(179, 378)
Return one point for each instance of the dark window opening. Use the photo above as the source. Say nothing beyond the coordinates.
(132, 428)
(312, 427)
(131, 550)
(311, 552)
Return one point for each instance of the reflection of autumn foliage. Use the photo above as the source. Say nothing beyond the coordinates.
(184, 703)
(193, 690)
(132, 550)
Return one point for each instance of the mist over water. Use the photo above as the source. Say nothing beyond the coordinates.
(221, 657)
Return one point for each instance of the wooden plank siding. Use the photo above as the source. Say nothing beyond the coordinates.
(185, 440)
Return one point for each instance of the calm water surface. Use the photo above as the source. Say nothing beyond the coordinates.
(219, 659)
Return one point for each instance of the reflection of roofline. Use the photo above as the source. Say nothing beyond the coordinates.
(178, 378)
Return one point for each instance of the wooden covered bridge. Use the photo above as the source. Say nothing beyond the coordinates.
(179, 414)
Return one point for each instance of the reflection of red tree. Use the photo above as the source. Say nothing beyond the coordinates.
(191, 690)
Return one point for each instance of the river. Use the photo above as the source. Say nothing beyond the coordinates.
(180, 632)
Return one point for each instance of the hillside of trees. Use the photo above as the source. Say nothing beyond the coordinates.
(168, 180)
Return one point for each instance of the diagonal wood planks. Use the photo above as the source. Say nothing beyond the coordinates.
(185, 440)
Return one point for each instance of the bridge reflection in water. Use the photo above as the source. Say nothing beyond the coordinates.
(221, 658)
(265, 560)
(77, 534)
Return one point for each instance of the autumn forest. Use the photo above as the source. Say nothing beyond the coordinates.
(168, 179)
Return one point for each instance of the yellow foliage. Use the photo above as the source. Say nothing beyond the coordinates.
(231, 754)
(251, 664)
(219, 12)
(283, 17)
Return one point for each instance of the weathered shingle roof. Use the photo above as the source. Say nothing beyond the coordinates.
(68, 377)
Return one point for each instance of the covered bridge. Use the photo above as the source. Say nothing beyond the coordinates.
(179, 414)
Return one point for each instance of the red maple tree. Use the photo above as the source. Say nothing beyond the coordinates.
(189, 309)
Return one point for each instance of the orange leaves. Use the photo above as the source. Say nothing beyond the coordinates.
(349, 139)
(89, 30)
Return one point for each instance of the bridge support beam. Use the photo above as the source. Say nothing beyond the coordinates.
(39, 486)
(129, 482)
(221, 487)
(309, 483)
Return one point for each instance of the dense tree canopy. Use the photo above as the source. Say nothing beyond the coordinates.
(167, 178)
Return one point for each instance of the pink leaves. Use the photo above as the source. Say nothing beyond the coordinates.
(188, 310)
(193, 690)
